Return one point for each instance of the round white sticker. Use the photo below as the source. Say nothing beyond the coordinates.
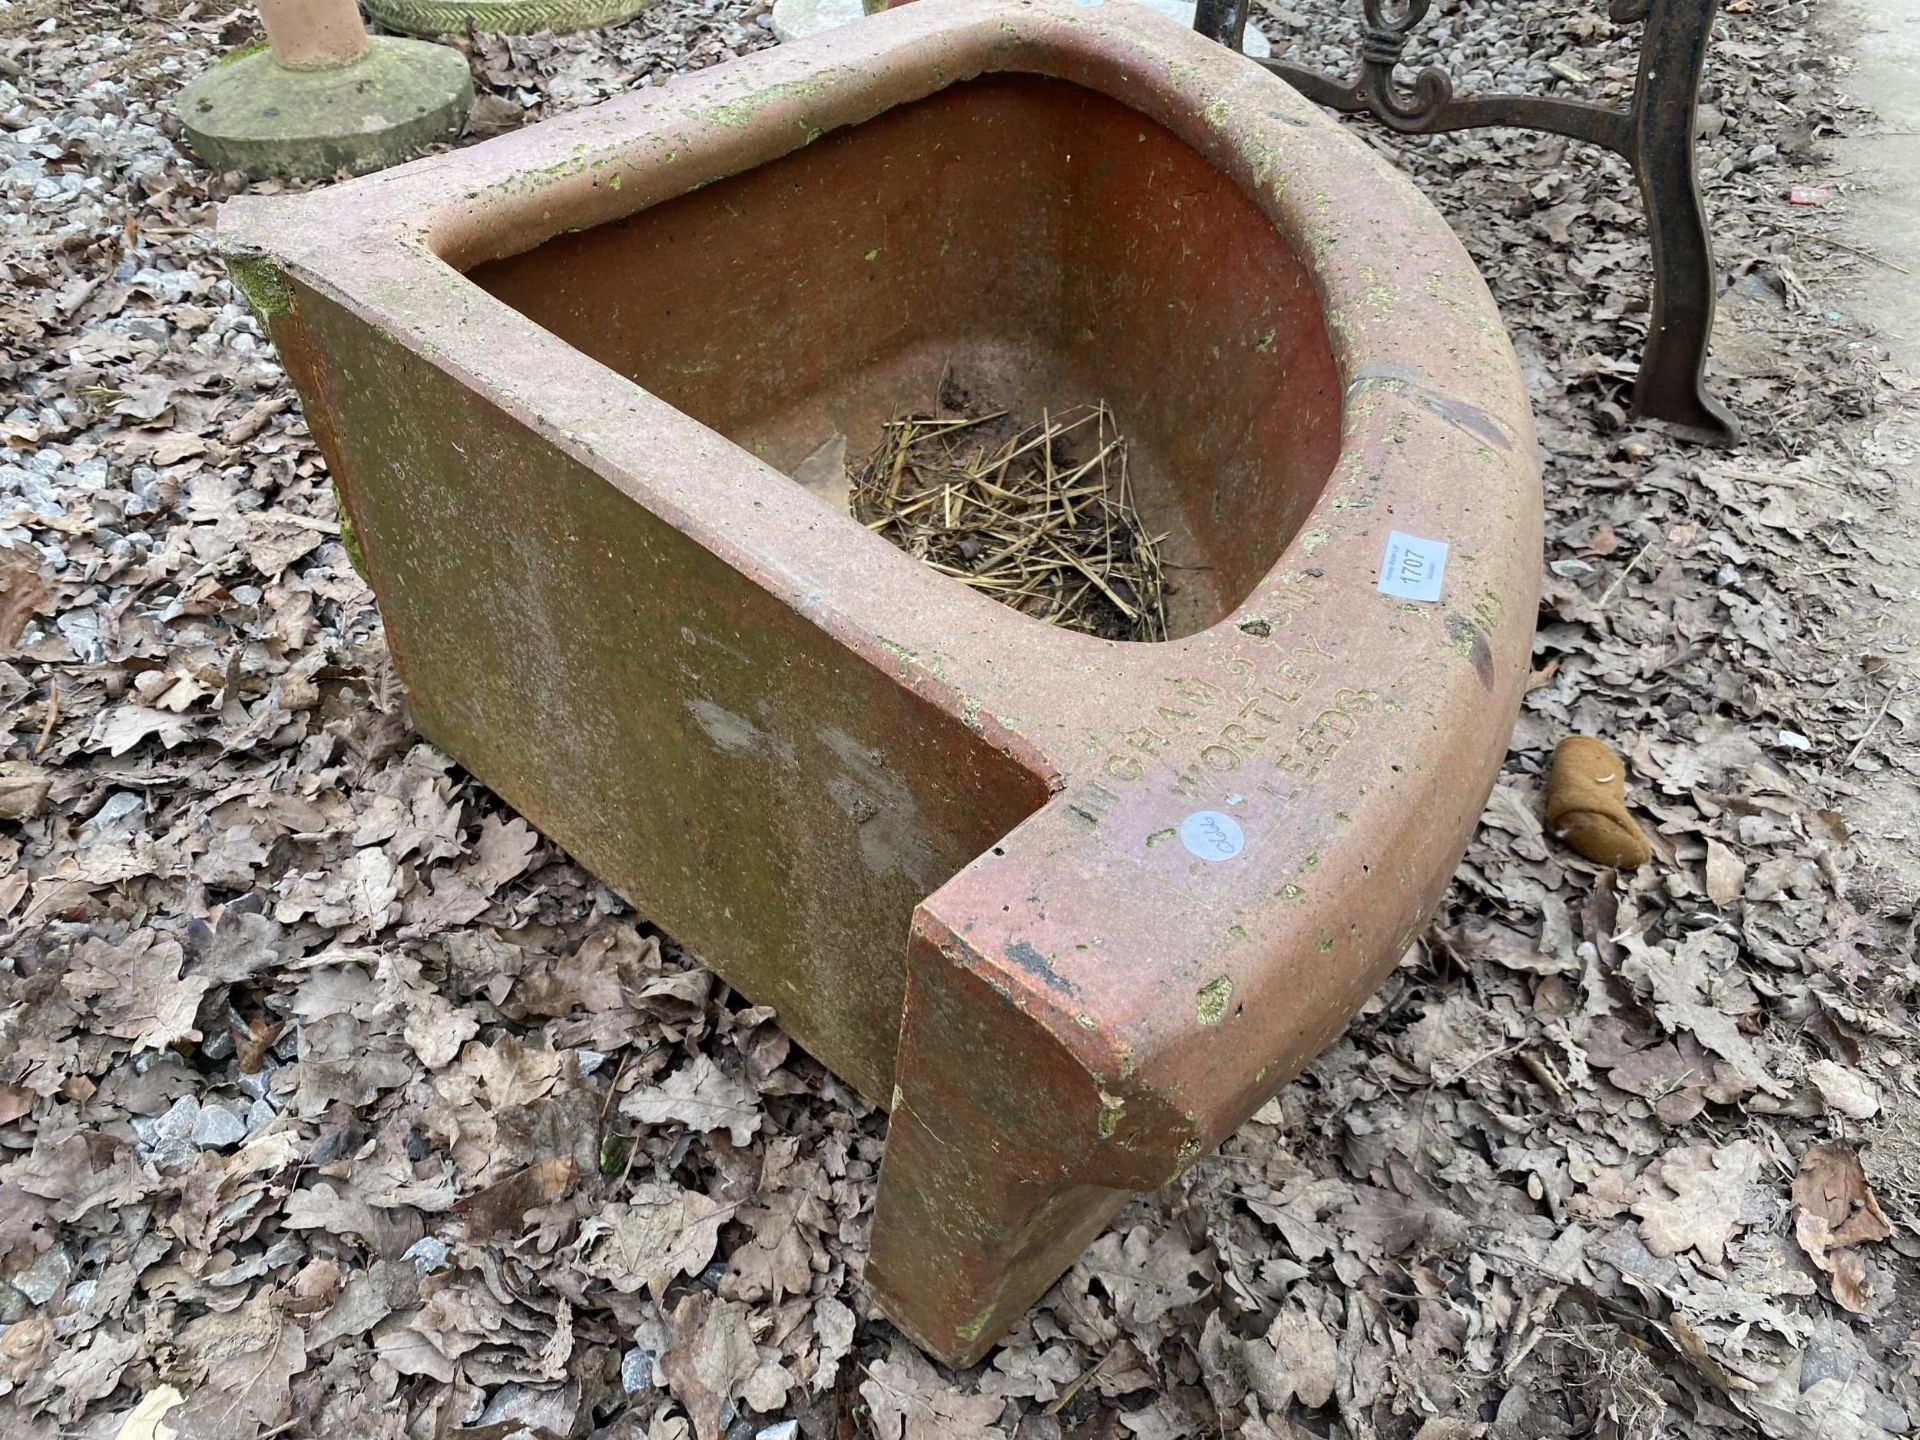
(1211, 835)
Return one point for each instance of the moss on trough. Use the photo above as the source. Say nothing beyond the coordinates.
(255, 276)
(1214, 998)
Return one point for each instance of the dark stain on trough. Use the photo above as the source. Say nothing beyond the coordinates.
(1471, 641)
(1035, 964)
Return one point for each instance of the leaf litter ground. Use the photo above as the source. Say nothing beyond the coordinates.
(334, 1101)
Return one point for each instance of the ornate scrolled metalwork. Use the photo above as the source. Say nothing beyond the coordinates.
(1383, 40)
(1655, 135)
(1388, 23)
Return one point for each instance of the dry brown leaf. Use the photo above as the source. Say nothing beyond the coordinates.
(1845, 1089)
(710, 1357)
(23, 594)
(1726, 873)
(662, 1231)
(1298, 1359)
(1834, 1210)
(148, 1419)
(910, 1402)
(502, 1207)
(701, 1096)
(1704, 1210)
(24, 789)
(786, 1225)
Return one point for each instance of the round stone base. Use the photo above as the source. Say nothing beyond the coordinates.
(249, 114)
(797, 19)
(501, 17)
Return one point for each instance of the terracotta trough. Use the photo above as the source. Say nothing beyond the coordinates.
(1071, 909)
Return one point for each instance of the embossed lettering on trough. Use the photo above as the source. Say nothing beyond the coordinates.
(1071, 909)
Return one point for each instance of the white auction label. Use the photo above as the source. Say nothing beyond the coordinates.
(1211, 835)
(1412, 568)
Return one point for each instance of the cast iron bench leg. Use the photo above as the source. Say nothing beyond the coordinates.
(1671, 385)
(1656, 137)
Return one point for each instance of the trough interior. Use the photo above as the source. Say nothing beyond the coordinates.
(1038, 244)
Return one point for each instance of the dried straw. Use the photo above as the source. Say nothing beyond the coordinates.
(1039, 518)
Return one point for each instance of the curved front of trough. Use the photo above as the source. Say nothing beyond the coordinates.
(1071, 908)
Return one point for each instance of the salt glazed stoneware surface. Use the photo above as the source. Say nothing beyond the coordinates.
(1071, 909)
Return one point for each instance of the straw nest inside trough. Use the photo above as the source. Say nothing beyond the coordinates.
(1039, 517)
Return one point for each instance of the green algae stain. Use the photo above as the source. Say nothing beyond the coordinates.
(735, 113)
(970, 1331)
(349, 541)
(1214, 998)
(252, 47)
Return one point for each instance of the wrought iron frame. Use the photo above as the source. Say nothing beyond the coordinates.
(1654, 135)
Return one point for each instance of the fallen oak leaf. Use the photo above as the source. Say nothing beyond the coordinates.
(778, 1260)
(502, 1206)
(1704, 1210)
(710, 1356)
(1835, 1210)
(701, 1096)
(661, 1232)
(911, 1402)
(1298, 1357)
